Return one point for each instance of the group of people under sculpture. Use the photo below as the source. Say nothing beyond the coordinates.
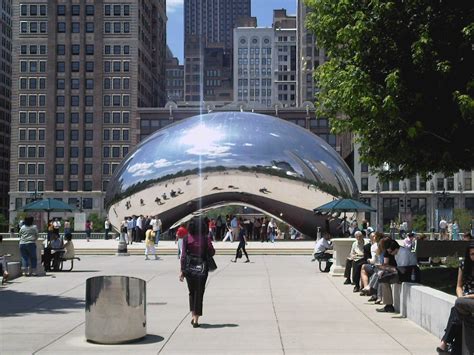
(376, 265)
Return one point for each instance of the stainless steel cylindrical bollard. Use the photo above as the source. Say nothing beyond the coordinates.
(115, 309)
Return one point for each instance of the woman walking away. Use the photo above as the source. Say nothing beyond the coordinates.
(197, 246)
(241, 247)
(465, 292)
(28, 235)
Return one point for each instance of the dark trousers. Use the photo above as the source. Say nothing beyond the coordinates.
(241, 247)
(453, 331)
(196, 287)
(326, 257)
(219, 232)
(356, 267)
(257, 234)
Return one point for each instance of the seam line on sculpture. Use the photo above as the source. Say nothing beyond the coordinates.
(273, 305)
(366, 316)
(55, 340)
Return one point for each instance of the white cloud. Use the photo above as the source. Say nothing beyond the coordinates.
(161, 163)
(173, 5)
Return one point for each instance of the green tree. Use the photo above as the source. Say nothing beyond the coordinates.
(97, 222)
(400, 77)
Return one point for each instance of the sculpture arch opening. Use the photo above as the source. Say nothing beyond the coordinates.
(230, 157)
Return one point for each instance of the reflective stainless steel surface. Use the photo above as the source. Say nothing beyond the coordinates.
(115, 309)
(255, 159)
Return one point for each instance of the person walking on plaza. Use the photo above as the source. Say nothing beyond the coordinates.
(150, 243)
(234, 225)
(197, 247)
(180, 234)
(271, 230)
(241, 247)
(28, 235)
(139, 229)
(455, 230)
(89, 226)
(129, 230)
(443, 226)
(106, 228)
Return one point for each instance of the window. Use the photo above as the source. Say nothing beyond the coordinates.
(41, 117)
(59, 185)
(73, 185)
(106, 136)
(117, 66)
(126, 27)
(87, 169)
(125, 135)
(42, 48)
(31, 152)
(87, 186)
(126, 10)
(21, 169)
(24, 27)
(89, 10)
(74, 152)
(116, 10)
(89, 67)
(31, 185)
(60, 84)
(59, 169)
(105, 169)
(106, 100)
(106, 117)
(107, 10)
(59, 135)
(116, 152)
(450, 183)
(116, 83)
(126, 100)
(88, 117)
(89, 49)
(88, 152)
(106, 83)
(60, 67)
(88, 135)
(74, 100)
(89, 84)
(59, 152)
(31, 169)
(75, 66)
(40, 169)
(59, 117)
(61, 27)
(74, 117)
(106, 152)
(116, 134)
(116, 100)
(73, 169)
(61, 10)
(117, 27)
(32, 117)
(126, 49)
(74, 83)
(75, 49)
(74, 134)
(126, 83)
(107, 28)
(23, 49)
(126, 66)
(89, 27)
(75, 27)
(89, 100)
(75, 10)
(117, 49)
(106, 67)
(60, 100)
(24, 10)
(87, 203)
(116, 117)
(33, 10)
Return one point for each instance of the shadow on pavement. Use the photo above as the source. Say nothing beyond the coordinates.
(215, 326)
(20, 303)
(149, 339)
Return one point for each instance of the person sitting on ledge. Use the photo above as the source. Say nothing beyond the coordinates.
(355, 260)
(405, 271)
(69, 251)
(322, 245)
(465, 291)
(369, 268)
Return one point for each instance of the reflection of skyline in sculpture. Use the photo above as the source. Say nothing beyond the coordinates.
(232, 148)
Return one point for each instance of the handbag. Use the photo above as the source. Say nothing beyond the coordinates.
(211, 263)
(196, 266)
(239, 254)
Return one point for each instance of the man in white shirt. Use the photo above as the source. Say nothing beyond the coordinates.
(107, 228)
(322, 245)
(155, 223)
(443, 225)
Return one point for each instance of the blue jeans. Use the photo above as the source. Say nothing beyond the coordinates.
(157, 237)
(28, 255)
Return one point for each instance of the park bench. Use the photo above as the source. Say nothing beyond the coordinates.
(63, 260)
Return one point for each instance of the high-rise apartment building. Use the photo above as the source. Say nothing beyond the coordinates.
(208, 38)
(265, 63)
(174, 79)
(309, 57)
(80, 71)
(5, 103)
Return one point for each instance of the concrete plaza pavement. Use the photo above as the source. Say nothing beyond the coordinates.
(273, 305)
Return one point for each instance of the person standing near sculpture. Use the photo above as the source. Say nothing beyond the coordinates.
(106, 228)
(28, 236)
(156, 226)
(197, 247)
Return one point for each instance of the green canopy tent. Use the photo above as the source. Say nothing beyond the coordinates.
(48, 205)
(344, 205)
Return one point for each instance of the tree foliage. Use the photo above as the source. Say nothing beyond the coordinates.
(400, 77)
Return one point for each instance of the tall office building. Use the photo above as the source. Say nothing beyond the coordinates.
(80, 71)
(208, 40)
(174, 79)
(309, 57)
(5, 103)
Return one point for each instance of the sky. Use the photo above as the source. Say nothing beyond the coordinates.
(262, 9)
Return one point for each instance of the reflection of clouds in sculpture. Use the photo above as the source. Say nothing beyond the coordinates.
(211, 151)
(275, 135)
(161, 163)
(140, 169)
(248, 145)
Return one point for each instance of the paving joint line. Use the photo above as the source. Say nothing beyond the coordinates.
(58, 338)
(273, 306)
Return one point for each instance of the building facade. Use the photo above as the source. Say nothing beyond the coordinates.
(422, 203)
(81, 70)
(5, 104)
(174, 80)
(208, 38)
(309, 57)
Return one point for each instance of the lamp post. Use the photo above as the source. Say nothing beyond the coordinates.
(432, 189)
(377, 215)
(405, 190)
(36, 195)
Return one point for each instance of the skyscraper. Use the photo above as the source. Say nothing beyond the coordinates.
(5, 103)
(208, 38)
(81, 69)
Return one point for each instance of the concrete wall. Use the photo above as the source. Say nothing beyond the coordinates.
(427, 307)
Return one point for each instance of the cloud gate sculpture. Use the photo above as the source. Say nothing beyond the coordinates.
(230, 158)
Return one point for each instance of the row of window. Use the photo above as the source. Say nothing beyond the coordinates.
(116, 27)
(75, 27)
(116, 83)
(116, 100)
(117, 117)
(254, 61)
(31, 185)
(254, 92)
(33, 66)
(33, 10)
(117, 10)
(73, 169)
(33, 49)
(32, 117)
(116, 66)
(75, 10)
(33, 100)
(32, 83)
(74, 152)
(255, 82)
(245, 51)
(33, 27)
(264, 72)
(75, 67)
(74, 100)
(75, 49)
(74, 117)
(75, 84)
(421, 185)
(31, 168)
(116, 49)
(74, 135)
(116, 135)
(30, 151)
(31, 134)
(74, 186)
(115, 152)
(109, 169)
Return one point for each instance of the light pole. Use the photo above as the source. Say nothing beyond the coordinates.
(405, 190)
(432, 189)
(377, 215)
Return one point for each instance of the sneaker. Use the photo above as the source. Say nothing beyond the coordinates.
(356, 289)
(247, 261)
(387, 309)
(347, 282)
(233, 261)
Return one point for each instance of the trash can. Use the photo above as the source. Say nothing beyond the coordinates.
(115, 309)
